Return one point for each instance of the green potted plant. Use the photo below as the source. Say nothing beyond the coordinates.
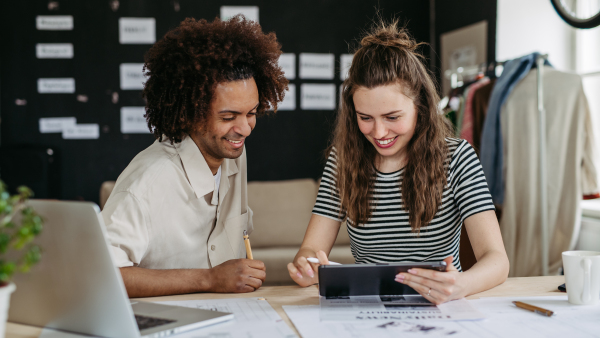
(19, 225)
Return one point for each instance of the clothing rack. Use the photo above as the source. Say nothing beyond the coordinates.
(457, 76)
(474, 70)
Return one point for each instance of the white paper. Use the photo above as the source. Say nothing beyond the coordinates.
(55, 124)
(345, 63)
(287, 62)
(249, 12)
(54, 50)
(137, 30)
(317, 96)
(81, 132)
(289, 100)
(56, 85)
(132, 76)
(54, 22)
(253, 317)
(307, 322)
(316, 66)
(401, 308)
(133, 120)
(507, 320)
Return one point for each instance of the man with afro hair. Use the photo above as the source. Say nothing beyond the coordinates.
(177, 214)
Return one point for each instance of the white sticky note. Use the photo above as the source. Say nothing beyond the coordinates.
(54, 50)
(56, 85)
(287, 62)
(56, 124)
(137, 30)
(133, 120)
(82, 132)
(345, 63)
(316, 66)
(132, 76)
(289, 100)
(54, 22)
(317, 96)
(249, 12)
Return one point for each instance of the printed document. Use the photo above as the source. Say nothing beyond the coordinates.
(253, 317)
(503, 319)
(409, 307)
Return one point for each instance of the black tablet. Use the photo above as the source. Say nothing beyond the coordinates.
(368, 279)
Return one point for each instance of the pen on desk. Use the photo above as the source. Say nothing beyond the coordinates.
(316, 261)
(247, 242)
(533, 308)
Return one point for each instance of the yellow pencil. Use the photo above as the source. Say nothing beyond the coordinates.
(247, 242)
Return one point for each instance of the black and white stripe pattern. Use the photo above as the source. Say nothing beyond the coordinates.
(387, 237)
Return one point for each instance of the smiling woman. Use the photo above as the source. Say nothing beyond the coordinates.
(402, 184)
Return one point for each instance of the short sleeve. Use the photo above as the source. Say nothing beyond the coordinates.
(471, 192)
(328, 201)
(125, 222)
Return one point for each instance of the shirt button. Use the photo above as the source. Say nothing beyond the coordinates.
(212, 247)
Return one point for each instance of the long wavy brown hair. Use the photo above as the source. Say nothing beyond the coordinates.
(388, 55)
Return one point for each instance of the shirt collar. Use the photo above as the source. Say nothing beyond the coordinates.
(196, 169)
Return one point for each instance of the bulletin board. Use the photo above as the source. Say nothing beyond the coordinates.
(94, 139)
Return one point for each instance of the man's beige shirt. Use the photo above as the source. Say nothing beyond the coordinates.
(162, 214)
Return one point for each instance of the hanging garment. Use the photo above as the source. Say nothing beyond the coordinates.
(459, 114)
(491, 141)
(466, 128)
(570, 169)
(481, 99)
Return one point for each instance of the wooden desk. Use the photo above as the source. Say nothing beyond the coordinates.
(278, 296)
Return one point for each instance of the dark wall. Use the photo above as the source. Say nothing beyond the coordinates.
(286, 145)
(455, 14)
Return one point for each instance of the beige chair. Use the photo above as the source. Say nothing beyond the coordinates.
(282, 210)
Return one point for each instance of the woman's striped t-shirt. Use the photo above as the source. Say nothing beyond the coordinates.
(387, 236)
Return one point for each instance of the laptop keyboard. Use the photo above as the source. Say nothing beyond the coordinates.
(144, 322)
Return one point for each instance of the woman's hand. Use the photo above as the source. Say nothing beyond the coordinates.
(438, 287)
(302, 271)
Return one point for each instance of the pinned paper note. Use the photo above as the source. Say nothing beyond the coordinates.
(54, 50)
(345, 63)
(249, 12)
(316, 66)
(81, 132)
(132, 76)
(317, 96)
(137, 30)
(289, 101)
(54, 22)
(56, 85)
(287, 62)
(133, 120)
(56, 124)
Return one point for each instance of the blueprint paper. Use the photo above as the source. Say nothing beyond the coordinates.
(253, 317)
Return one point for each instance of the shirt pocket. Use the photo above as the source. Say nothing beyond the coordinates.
(235, 227)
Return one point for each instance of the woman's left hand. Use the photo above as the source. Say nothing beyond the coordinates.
(438, 287)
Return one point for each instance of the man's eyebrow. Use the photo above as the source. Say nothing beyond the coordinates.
(392, 112)
(235, 111)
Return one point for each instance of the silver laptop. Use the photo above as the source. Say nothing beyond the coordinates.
(76, 287)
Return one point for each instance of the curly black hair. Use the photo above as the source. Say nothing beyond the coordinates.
(185, 66)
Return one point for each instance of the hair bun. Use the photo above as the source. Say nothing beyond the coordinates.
(390, 36)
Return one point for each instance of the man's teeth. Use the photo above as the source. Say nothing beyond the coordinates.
(384, 142)
(234, 142)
